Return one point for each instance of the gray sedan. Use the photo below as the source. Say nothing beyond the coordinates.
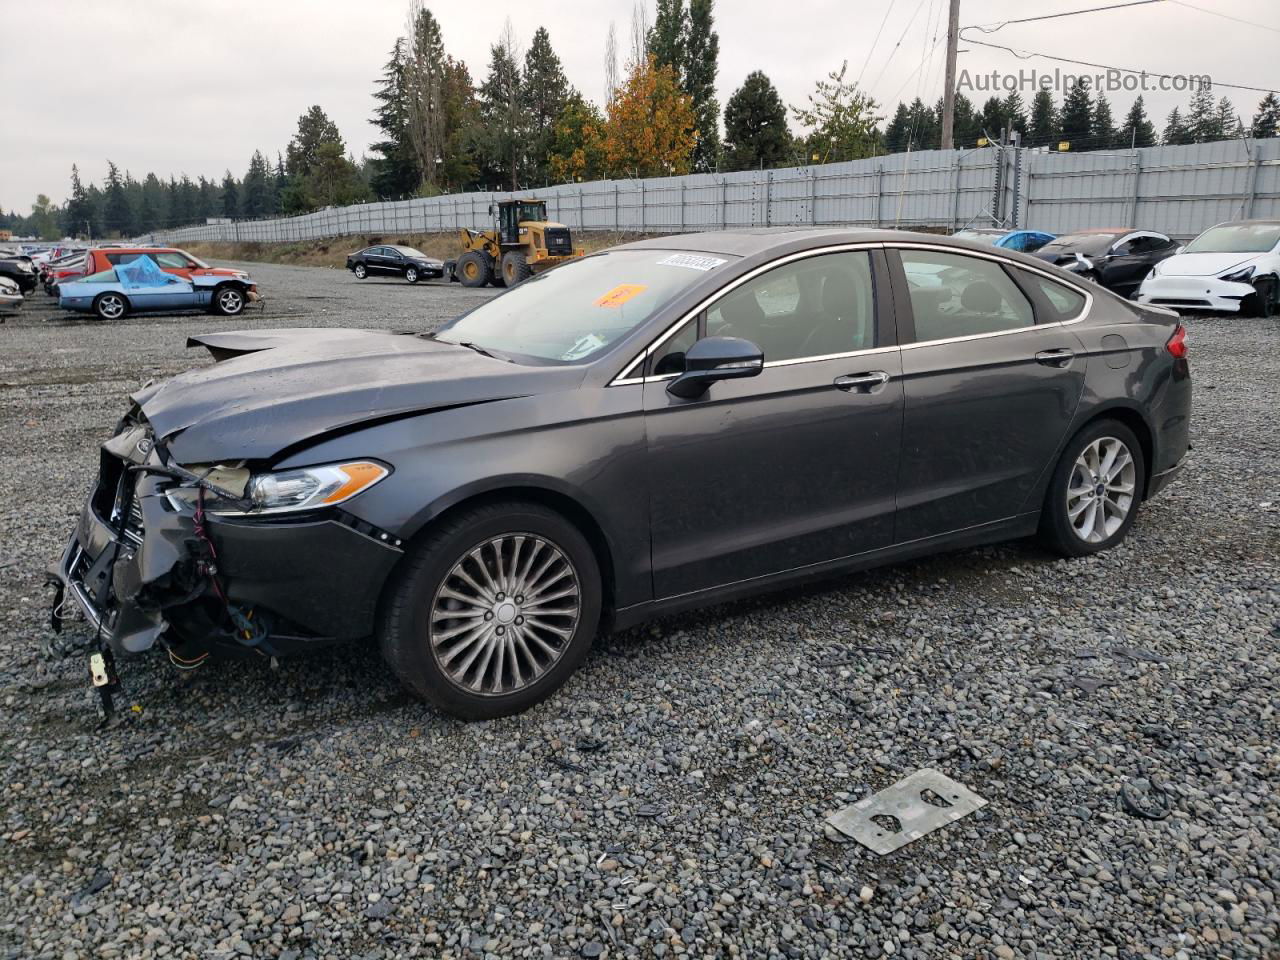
(664, 425)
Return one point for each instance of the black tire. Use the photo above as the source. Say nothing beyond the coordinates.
(411, 274)
(360, 270)
(111, 306)
(474, 269)
(228, 300)
(407, 614)
(1261, 303)
(515, 267)
(1057, 529)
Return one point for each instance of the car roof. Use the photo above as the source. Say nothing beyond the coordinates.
(744, 243)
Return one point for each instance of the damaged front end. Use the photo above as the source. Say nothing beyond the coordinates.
(217, 559)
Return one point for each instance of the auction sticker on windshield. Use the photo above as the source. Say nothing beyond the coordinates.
(692, 261)
(621, 294)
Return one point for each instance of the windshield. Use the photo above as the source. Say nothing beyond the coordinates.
(196, 260)
(981, 236)
(1086, 243)
(1236, 238)
(410, 252)
(577, 310)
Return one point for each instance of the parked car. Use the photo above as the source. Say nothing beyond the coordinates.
(141, 286)
(19, 269)
(10, 295)
(670, 423)
(71, 267)
(1232, 267)
(1024, 241)
(406, 262)
(169, 259)
(1117, 259)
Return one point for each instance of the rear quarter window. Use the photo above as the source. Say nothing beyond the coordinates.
(1064, 303)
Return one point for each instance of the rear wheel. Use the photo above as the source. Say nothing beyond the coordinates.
(493, 611)
(411, 274)
(111, 306)
(1096, 488)
(228, 301)
(360, 270)
(515, 267)
(474, 269)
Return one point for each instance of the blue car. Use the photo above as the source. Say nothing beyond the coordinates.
(1024, 241)
(141, 286)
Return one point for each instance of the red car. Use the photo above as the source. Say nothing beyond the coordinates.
(169, 259)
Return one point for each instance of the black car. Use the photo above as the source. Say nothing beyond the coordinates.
(20, 270)
(663, 425)
(406, 262)
(1117, 259)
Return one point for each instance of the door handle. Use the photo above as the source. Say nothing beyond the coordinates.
(1059, 357)
(862, 382)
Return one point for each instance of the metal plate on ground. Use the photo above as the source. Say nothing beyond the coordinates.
(915, 805)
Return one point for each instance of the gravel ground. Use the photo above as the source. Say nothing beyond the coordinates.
(670, 799)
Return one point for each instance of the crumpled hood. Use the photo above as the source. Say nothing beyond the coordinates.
(277, 388)
(1203, 264)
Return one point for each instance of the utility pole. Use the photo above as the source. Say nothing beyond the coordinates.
(949, 94)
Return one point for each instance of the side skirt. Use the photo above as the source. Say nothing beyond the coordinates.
(1011, 528)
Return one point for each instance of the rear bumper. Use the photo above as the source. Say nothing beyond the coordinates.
(1159, 481)
(1193, 293)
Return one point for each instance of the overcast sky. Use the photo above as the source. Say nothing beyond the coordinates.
(197, 87)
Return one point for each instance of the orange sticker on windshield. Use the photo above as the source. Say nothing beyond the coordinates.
(621, 294)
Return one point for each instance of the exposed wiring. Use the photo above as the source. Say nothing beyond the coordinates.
(1031, 54)
(992, 28)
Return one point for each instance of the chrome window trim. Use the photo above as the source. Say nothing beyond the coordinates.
(624, 378)
(941, 248)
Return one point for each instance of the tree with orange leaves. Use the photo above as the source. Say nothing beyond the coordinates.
(649, 130)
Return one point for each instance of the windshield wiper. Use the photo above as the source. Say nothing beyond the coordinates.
(484, 352)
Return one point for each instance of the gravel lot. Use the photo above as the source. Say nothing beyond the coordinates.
(670, 800)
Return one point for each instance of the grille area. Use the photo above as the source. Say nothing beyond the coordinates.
(558, 240)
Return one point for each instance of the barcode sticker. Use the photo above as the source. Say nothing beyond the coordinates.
(692, 261)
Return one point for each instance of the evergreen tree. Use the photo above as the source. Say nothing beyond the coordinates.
(577, 149)
(1175, 130)
(153, 211)
(396, 170)
(206, 203)
(702, 55)
(1015, 112)
(77, 214)
(459, 170)
(282, 183)
(1202, 117)
(1104, 127)
(1266, 122)
(255, 200)
(424, 80)
(501, 132)
(964, 124)
(668, 35)
(117, 217)
(1043, 126)
(840, 118)
(314, 129)
(1226, 120)
(230, 196)
(755, 126)
(895, 134)
(992, 118)
(1137, 130)
(544, 91)
(1075, 121)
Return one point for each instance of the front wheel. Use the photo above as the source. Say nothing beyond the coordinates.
(1096, 488)
(360, 270)
(111, 306)
(411, 274)
(493, 610)
(228, 301)
(515, 267)
(1261, 303)
(474, 269)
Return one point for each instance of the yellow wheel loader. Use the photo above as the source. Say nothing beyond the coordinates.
(522, 242)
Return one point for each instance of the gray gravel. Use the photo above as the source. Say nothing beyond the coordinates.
(670, 800)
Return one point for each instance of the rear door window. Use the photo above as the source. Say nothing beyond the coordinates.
(170, 260)
(953, 295)
(1063, 302)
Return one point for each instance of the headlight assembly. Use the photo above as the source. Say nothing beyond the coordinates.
(287, 491)
(1239, 276)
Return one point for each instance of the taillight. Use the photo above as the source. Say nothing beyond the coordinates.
(1177, 344)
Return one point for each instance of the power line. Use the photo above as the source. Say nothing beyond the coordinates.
(1227, 16)
(889, 59)
(1054, 16)
(1029, 54)
(858, 82)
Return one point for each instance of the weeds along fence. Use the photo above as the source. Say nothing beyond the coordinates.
(1178, 190)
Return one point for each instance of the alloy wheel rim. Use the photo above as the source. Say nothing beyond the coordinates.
(411, 275)
(230, 301)
(504, 614)
(360, 271)
(1100, 493)
(112, 307)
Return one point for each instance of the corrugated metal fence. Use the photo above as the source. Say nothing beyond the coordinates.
(1176, 190)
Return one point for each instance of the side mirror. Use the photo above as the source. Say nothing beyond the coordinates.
(712, 359)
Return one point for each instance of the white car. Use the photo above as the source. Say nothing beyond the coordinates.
(1233, 267)
(10, 295)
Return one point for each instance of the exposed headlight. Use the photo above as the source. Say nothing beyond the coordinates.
(1239, 276)
(285, 491)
